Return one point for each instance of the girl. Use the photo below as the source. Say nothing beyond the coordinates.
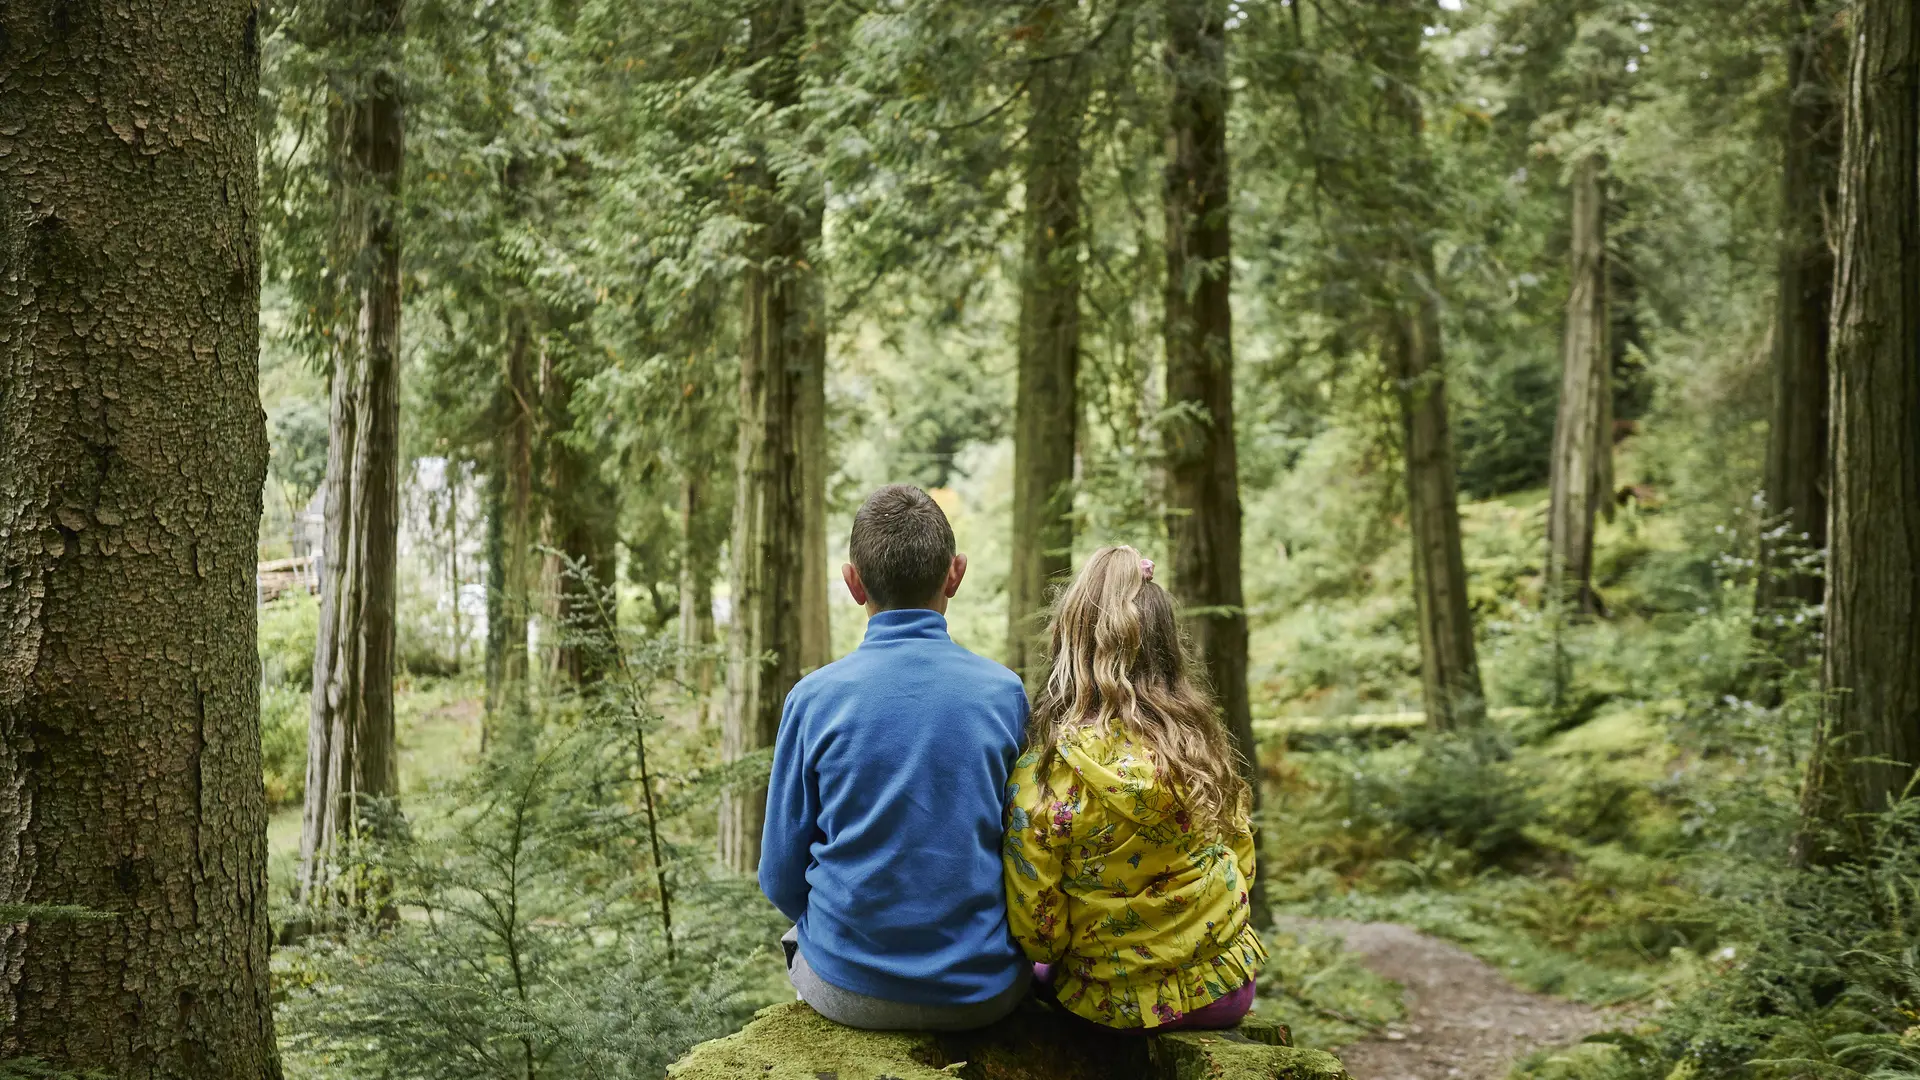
(1128, 852)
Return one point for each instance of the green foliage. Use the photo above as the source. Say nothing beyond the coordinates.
(1322, 992)
(540, 917)
(287, 631)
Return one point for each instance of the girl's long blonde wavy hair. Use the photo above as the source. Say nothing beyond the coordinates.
(1116, 656)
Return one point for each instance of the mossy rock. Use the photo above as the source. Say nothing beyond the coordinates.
(792, 1042)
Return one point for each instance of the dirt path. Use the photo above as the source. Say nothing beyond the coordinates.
(1464, 1020)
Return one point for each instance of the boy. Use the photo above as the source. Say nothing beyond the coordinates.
(882, 839)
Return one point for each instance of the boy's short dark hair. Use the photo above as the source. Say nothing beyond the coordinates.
(902, 545)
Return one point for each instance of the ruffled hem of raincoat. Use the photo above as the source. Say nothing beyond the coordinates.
(1150, 986)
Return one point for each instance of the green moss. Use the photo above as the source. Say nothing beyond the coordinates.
(792, 1042)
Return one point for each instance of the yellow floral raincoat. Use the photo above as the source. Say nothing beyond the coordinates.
(1146, 919)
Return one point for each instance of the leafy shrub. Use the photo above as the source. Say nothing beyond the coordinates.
(1821, 979)
(1463, 789)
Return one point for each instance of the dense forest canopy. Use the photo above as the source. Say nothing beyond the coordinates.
(1520, 397)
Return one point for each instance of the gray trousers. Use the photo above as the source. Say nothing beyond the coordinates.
(879, 1014)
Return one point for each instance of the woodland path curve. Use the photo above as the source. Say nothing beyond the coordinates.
(1465, 1020)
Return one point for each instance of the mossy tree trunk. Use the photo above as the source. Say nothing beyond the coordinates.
(1046, 422)
(1796, 468)
(132, 457)
(351, 762)
(1203, 478)
(1582, 465)
(1869, 745)
(763, 660)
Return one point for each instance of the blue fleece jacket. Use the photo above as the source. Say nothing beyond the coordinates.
(882, 838)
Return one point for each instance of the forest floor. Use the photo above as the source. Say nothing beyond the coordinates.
(1464, 1019)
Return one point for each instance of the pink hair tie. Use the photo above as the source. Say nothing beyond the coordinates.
(1146, 569)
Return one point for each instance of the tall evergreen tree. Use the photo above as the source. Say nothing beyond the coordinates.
(132, 457)
(1415, 360)
(1581, 473)
(1046, 422)
(778, 317)
(1796, 476)
(350, 739)
(1869, 745)
(1203, 482)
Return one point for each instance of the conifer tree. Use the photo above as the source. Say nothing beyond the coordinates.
(1869, 744)
(1203, 495)
(132, 457)
(351, 762)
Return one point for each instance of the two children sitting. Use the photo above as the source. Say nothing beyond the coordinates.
(942, 850)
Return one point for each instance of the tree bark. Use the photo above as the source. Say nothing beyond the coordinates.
(1203, 484)
(763, 660)
(696, 591)
(1449, 664)
(1582, 466)
(510, 555)
(350, 734)
(1796, 468)
(816, 627)
(1865, 754)
(1046, 421)
(132, 457)
(582, 518)
(1415, 359)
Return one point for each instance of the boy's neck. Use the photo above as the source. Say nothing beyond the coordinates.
(937, 605)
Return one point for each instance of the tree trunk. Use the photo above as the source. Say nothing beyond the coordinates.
(510, 555)
(1415, 359)
(350, 734)
(816, 628)
(1582, 466)
(769, 509)
(132, 458)
(1449, 665)
(1866, 751)
(1203, 485)
(1046, 403)
(696, 592)
(1796, 470)
(582, 520)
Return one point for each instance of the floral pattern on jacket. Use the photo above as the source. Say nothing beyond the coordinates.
(1145, 918)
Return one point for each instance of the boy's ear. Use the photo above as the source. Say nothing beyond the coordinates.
(855, 586)
(955, 573)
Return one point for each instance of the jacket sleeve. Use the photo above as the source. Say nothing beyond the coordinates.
(1244, 856)
(792, 823)
(1033, 856)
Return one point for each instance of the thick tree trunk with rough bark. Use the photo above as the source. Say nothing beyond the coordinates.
(1046, 424)
(351, 764)
(1796, 476)
(763, 660)
(132, 457)
(1869, 745)
(582, 520)
(1203, 480)
(1582, 466)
